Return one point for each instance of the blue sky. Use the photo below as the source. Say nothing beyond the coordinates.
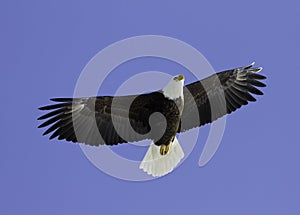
(46, 44)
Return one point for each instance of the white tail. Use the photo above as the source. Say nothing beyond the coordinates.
(156, 164)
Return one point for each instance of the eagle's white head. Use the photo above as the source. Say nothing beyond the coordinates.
(174, 89)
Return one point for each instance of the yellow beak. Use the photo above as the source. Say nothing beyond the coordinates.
(179, 77)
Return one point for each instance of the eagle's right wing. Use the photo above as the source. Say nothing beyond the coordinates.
(219, 94)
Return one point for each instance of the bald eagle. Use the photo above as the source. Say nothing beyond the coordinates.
(109, 120)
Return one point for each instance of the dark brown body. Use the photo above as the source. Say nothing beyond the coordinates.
(163, 117)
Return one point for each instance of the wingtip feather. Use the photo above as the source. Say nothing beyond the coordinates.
(61, 99)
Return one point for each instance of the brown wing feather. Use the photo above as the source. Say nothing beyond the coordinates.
(100, 120)
(219, 94)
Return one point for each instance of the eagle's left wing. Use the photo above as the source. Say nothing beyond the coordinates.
(101, 120)
(219, 94)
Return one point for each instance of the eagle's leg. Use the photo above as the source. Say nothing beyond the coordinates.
(164, 149)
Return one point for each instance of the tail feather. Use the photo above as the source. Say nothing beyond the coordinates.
(156, 164)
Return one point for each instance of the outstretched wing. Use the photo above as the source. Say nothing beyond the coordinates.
(219, 94)
(100, 120)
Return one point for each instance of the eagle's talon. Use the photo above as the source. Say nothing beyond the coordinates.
(164, 149)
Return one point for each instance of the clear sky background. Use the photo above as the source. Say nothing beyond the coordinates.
(44, 45)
